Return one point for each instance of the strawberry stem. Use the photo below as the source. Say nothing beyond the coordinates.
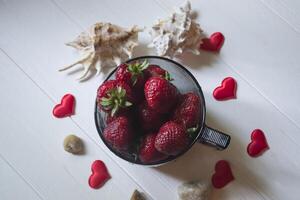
(168, 76)
(116, 100)
(136, 70)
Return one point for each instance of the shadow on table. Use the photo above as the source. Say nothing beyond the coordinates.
(78, 71)
(142, 50)
(198, 163)
(188, 59)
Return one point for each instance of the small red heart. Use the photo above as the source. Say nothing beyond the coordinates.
(258, 143)
(99, 174)
(213, 43)
(223, 174)
(227, 90)
(66, 107)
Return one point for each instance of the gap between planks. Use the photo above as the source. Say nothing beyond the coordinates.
(159, 3)
(74, 122)
(276, 13)
(77, 24)
(22, 178)
(259, 92)
(167, 10)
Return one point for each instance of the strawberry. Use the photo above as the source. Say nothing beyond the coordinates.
(124, 113)
(171, 138)
(105, 87)
(188, 111)
(149, 119)
(138, 95)
(156, 71)
(114, 96)
(119, 133)
(161, 95)
(122, 74)
(147, 151)
(132, 74)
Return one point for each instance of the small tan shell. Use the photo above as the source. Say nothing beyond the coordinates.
(137, 196)
(194, 190)
(73, 144)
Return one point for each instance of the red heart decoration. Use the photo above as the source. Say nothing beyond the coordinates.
(66, 107)
(99, 174)
(213, 43)
(223, 174)
(258, 143)
(227, 90)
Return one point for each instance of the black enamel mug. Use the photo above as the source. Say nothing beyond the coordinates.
(185, 82)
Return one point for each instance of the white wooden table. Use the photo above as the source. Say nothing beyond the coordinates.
(261, 52)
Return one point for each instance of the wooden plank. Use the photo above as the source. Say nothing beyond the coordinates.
(287, 10)
(255, 178)
(31, 141)
(260, 46)
(85, 93)
(12, 185)
(84, 21)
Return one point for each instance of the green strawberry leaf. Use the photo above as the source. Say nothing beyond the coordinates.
(119, 89)
(144, 65)
(136, 70)
(134, 79)
(130, 67)
(121, 92)
(105, 103)
(105, 99)
(168, 76)
(114, 110)
(116, 99)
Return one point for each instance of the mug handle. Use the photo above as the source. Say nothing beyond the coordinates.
(214, 138)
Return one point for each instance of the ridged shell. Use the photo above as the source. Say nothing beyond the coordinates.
(176, 34)
(103, 45)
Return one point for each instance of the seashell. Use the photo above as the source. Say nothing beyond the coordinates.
(104, 45)
(136, 195)
(176, 34)
(194, 190)
(73, 144)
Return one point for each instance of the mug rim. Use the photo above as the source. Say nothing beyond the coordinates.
(169, 158)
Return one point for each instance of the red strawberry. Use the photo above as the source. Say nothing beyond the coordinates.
(138, 95)
(119, 133)
(124, 113)
(147, 151)
(188, 111)
(149, 119)
(105, 87)
(156, 71)
(114, 96)
(171, 138)
(161, 95)
(122, 74)
(132, 74)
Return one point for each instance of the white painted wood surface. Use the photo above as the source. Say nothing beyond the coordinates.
(261, 51)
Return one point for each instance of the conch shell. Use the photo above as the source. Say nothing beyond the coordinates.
(176, 34)
(103, 45)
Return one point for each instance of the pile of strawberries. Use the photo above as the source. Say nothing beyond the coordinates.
(146, 114)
